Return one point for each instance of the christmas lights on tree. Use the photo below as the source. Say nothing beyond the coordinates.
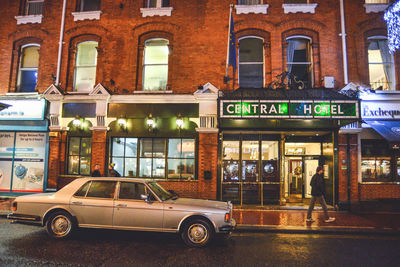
(392, 18)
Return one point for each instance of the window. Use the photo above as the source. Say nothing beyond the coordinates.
(82, 191)
(156, 3)
(34, 7)
(79, 155)
(251, 62)
(101, 189)
(299, 62)
(85, 66)
(249, 2)
(124, 156)
(148, 157)
(131, 190)
(297, 1)
(28, 68)
(155, 67)
(181, 158)
(380, 64)
(375, 169)
(90, 5)
(377, 1)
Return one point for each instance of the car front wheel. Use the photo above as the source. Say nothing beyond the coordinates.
(60, 225)
(197, 233)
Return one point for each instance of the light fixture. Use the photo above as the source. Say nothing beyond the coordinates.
(77, 122)
(179, 122)
(150, 122)
(122, 123)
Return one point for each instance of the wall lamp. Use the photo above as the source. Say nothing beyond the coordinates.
(150, 123)
(179, 122)
(122, 124)
(79, 123)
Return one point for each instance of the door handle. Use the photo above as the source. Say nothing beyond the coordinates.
(77, 202)
(121, 205)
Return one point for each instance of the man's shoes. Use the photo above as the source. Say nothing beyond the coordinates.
(310, 220)
(330, 219)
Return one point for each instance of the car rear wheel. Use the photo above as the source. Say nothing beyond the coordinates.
(197, 233)
(60, 225)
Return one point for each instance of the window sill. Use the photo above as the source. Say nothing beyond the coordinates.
(29, 19)
(87, 15)
(158, 11)
(256, 9)
(153, 92)
(375, 8)
(299, 8)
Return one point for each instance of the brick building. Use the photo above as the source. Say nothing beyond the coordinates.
(142, 84)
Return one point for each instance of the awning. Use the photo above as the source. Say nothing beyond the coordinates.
(390, 130)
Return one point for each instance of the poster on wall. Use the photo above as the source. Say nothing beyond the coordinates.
(29, 162)
(6, 157)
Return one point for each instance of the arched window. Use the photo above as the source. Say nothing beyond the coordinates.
(380, 64)
(155, 65)
(299, 58)
(28, 68)
(85, 66)
(251, 62)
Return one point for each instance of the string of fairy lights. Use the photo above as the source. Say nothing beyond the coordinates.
(392, 18)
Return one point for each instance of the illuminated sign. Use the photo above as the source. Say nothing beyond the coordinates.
(23, 110)
(380, 110)
(295, 109)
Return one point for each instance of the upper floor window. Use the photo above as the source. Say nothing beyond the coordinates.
(28, 68)
(249, 2)
(156, 3)
(85, 66)
(380, 64)
(377, 1)
(89, 5)
(34, 7)
(251, 62)
(299, 60)
(155, 65)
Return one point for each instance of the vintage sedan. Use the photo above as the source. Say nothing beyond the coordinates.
(126, 204)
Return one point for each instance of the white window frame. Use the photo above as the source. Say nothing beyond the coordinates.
(20, 68)
(76, 67)
(311, 63)
(158, 10)
(144, 65)
(250, 63)
(380, 37)
(28, 2)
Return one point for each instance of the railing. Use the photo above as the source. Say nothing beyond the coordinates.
(34, 8)
(249, 2)
(297, 1)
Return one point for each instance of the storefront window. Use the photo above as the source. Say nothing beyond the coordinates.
(154, 160)
(376, 169)
(79, 155)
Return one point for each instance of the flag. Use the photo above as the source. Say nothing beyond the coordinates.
(232, 44)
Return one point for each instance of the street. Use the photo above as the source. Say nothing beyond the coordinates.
(27, 245)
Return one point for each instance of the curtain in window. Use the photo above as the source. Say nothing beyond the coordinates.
(28, 69)
(290, 53)
(387, 61)
(85, 66)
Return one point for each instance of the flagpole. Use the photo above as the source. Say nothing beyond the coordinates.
(229, 32)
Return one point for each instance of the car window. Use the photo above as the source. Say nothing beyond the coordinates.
(82, 191)
(102, 189)
(130, 190)
(160, 191)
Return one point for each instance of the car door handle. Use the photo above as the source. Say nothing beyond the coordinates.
(77, 202)
(121, 205)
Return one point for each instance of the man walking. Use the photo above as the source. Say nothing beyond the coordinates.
(318, 192)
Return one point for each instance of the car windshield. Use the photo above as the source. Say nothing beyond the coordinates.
(160, 191)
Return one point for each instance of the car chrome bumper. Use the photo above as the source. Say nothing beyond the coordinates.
(23, 218)
(228, 228)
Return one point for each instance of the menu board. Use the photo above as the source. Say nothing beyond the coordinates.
(6, 159)
(29, 161)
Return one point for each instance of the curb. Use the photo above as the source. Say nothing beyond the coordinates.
(316, 229)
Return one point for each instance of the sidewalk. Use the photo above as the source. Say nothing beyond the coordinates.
(295, 220)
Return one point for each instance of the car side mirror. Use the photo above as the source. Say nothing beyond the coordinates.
(145, 198)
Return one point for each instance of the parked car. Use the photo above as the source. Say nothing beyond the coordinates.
(127, 204)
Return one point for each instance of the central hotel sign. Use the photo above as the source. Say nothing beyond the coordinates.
(294, 109)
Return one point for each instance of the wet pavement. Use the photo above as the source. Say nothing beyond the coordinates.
(26, 245)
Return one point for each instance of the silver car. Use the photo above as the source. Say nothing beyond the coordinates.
(127, 204)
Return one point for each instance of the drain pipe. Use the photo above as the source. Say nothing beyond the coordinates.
(348, 171)
(60, 43)
(344, 45)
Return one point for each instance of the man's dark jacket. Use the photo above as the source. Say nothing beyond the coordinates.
(318, 185)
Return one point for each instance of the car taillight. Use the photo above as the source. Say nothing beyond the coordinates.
(227, 217)
(14, 206)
